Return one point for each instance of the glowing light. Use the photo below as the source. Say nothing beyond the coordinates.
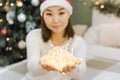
(1, 20)
(21, 56)
(12, 4)
(102, 6)
(10, 48)
(1, 4)
(19, 3)
(97, 3)
(7, 39)
(6, 3)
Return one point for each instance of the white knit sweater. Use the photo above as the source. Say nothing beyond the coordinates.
(37, 48)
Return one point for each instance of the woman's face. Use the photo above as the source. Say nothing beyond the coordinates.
(56, 18)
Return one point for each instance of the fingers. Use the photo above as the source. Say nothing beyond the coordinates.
(53, 68)
(49, 68)
(73, 66)
(68, 68)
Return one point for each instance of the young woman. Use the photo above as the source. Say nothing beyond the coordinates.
(56, 30)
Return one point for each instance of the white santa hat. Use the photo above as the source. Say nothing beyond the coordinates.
(64, 3)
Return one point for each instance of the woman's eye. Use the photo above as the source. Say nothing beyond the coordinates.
(49, 14)
(61, 13)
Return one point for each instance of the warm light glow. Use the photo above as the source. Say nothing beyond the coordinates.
(21, 56)
(59, 58)
(6, 3)
(19, 3)
(12, 4)
(1, 4)
(1, 20)
(10, 48)
(97, 3)
(102, 6)
(7, 39)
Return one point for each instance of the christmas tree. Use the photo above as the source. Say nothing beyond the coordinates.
(107, 6)
(17, 19)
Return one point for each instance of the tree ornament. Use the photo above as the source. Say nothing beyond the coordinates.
(11, 22)
(21, 44)
(7, 48)
(19, 4)
(10, 16)
(21, 17)
(7, 7)
(4, 31)
(35, 2)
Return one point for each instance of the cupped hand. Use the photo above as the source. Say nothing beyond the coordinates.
(48, 67)
(65, 69)
(68, 68)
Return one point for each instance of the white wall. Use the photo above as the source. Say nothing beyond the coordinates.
(100, 18)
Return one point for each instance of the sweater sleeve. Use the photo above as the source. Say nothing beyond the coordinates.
(34, 46)
(79, 51)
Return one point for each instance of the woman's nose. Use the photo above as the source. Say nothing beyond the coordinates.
(56, 19)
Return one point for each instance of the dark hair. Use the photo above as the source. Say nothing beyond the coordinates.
(46, 33)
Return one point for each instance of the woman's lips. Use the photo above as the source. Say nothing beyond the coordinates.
(56, 26)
